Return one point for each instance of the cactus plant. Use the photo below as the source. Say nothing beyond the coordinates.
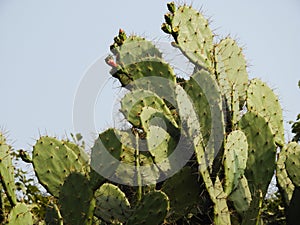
(216, 131)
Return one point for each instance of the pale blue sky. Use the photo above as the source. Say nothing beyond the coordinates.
(47, 46)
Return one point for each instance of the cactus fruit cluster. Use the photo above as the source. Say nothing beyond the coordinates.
(200, 150)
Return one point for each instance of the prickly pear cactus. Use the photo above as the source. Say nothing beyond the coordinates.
(224, 129)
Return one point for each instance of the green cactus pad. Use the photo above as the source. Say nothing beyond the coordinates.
(241, 196)
(7, 171)
(292, 163)
(207, 103)
(20, 215)
(112, 204)
(133, 103)
(136, 49)
(262, 100)
(192, 35)
(76, 200)
(152, 209)
(148, 68)
(235, 159)
(284, 182)
(54, 160)
(261, 160)
(261, 151)
(183, 191)
(231, 70)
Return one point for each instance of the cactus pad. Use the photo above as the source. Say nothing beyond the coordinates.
(231, 70)
(192, 35)
(241, 196)
(262, 100)
(235, 159)
(20, 215)
(76, 200)
(152, 209)
(54, 160)
(292, 163)
(261, 151)
(112, 204)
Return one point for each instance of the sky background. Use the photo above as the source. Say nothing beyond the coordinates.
(46, 48)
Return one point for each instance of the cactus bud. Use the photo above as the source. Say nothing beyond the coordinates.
(122, 35)
(166, 28)
(171, 7)
(169, 18)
